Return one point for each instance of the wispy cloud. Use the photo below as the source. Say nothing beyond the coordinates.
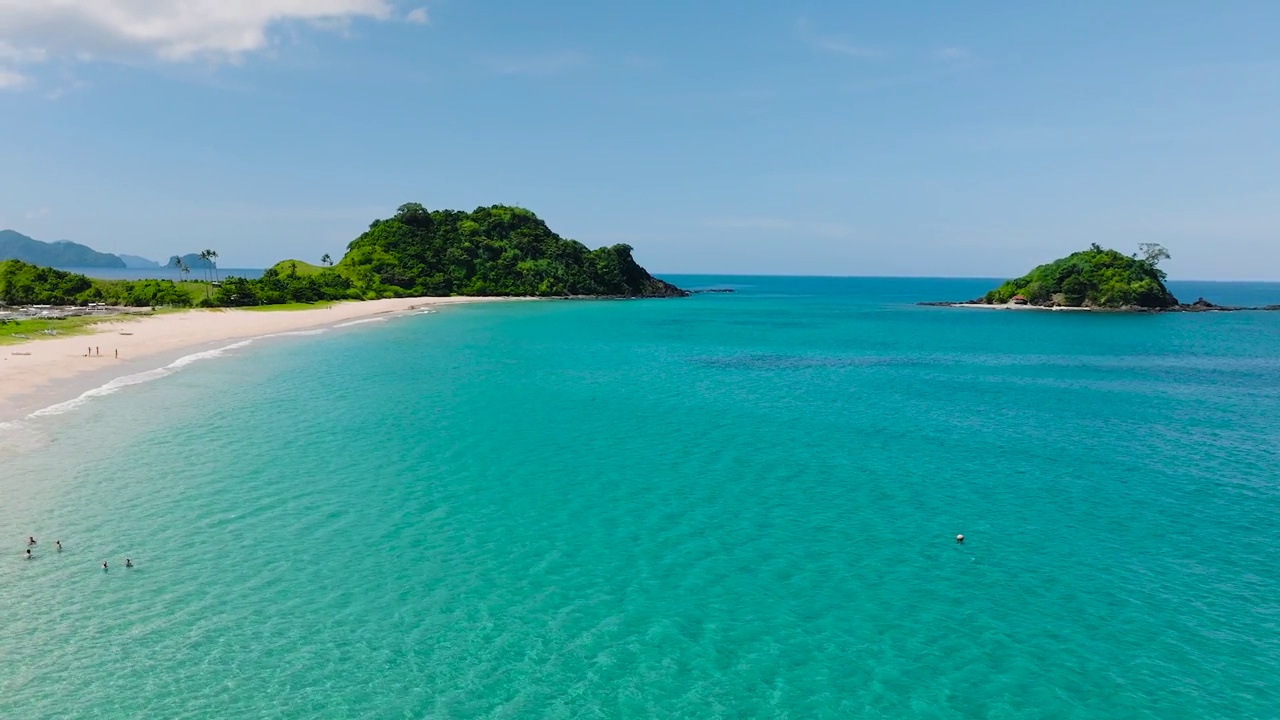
(418, 16)
(835, 44)
(901, 79)
(14, 54)
(13, 80)
(953, 54)
(537, 65)
(781, 225)
(37, 214)
(946, 62)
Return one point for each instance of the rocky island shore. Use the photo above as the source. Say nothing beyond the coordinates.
(1200, 305)
(1096, 280)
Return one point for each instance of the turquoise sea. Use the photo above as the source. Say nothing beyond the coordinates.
(730, 506)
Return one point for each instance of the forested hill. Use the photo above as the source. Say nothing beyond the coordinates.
(1093, 278)
(16, 246)
(498, 250)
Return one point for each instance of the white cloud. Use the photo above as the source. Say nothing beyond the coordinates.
(418, 16)
(837, 44)
(37, 214)
(12, 79)
(18, 55)
(171, 30)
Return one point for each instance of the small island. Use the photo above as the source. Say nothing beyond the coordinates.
(1092, 278)
(1095, 279)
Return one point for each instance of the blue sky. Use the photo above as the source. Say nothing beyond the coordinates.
(870, 138)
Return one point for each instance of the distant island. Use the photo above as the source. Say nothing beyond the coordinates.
(497, 251)
(64, 253)
(190, 261)
(134, 262)
(1095, 279)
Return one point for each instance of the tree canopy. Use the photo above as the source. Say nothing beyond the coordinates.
(494, 251)
(24, 284)
(1095, 277)
(498, 250)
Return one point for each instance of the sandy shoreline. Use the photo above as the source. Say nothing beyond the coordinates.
(37, 374)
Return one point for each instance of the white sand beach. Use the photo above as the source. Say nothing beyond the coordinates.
(40, 373)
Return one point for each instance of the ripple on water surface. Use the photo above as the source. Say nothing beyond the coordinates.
(642, 509)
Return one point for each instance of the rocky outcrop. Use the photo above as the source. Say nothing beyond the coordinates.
(1200, 305)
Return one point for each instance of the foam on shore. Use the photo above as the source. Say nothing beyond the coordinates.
(54, 363)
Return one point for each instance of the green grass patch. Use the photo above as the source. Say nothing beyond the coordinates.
(285, 267)
(34, 328)
(196, 289)
(288, 307)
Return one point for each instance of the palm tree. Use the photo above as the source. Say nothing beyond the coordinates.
(204, 266)
(212, 257)
(183, 269)
(327, 260)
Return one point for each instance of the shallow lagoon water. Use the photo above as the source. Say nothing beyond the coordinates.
(726, 506)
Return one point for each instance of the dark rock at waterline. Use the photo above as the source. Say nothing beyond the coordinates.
(1200, 305)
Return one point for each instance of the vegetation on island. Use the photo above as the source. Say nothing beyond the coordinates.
(1095, 277)
(25, 284)
(492, 251)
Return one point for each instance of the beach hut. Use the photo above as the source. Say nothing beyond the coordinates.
(1018, 300)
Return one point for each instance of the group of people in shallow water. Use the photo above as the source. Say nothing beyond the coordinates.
(31, 542)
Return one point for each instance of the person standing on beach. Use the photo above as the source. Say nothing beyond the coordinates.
(117, 354)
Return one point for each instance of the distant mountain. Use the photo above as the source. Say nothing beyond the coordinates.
(134, 262)
(64, 253)
(191, 260)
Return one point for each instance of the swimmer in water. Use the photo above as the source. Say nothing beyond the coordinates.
(31, 540)
(959, 539)
(59, 544)
(29, 555)
(128, 562)
(104, 564)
